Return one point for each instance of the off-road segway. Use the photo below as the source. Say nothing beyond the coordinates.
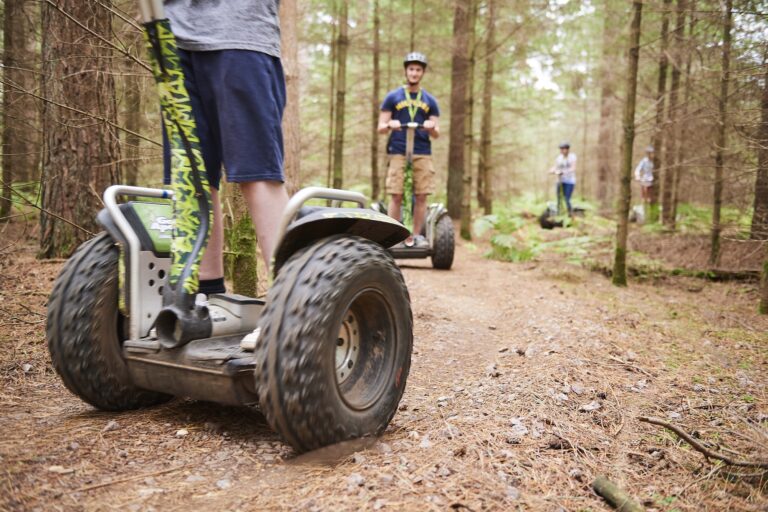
(556, 213)
(325, 357)
(553, 216)
(437, 228)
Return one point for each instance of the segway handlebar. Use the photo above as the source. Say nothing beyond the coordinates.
(412, 125)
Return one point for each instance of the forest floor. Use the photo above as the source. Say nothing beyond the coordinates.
(527, 382)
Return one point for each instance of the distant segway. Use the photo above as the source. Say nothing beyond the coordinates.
(552, 218)
(437, 228)
(556, 212)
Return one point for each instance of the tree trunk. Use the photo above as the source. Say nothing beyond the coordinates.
(485, 167)
(459, 68)
(332, 92)
(81, 152)
(289, 17)
(412, 46)
(620, 260)
(342, 44)
(673, 127)
(722, 107)
(375, 104)
(686, 133)
(658, 133)
(763, 308)
(240, 249)
(131, 141)
(605, 142)
(465, 228)
(21, 115)
(759, 229)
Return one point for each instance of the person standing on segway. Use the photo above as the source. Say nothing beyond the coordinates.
(410, 104)
(644, 174)
(230, 54)
(565, 169)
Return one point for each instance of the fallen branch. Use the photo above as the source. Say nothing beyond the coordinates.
(708, 454)
(616, 497)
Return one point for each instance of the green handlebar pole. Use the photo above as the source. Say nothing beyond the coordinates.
(408, 177)
(193, 212)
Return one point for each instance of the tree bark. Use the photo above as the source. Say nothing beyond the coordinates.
(759, 230)
(465, 228)
(131, 141)
(722, 108)
(620, 260)
(375, 104)
(673, 127)
(289, 17)
(658, 133)
(615, 496)
(342, 44)
(459, 68)
(412, 45)
(241, 250)
(21, 114)
(686, 133)
(332, 91)
(605, 138)
(485, 166)
(81, 152)
(763, 307)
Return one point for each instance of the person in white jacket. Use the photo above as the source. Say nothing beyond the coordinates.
(644, 174)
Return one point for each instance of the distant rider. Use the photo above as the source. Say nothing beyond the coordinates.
(410, 103)
(644, 174)
(565, 169)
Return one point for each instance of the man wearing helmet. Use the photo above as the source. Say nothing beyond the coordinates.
(410, 103)
(565, 169)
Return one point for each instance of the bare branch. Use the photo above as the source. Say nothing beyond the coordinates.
(708, 454)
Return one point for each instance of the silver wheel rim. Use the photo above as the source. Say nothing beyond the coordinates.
(347, 347)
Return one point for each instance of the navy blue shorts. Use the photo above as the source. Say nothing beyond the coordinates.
(238, 98)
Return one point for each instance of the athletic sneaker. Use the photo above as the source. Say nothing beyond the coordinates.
(420, 242)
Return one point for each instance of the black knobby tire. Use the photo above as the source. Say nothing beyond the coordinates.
(84, 330)
(442, 255)
(336, 293)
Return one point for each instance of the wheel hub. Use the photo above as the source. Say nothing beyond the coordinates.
(347, 347)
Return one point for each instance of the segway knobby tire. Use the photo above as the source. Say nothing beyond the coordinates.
(442, 255)
(335, 346)
(84, 330)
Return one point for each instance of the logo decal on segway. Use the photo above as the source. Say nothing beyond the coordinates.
(163, 224)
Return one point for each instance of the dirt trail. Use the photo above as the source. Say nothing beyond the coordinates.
(526, 383)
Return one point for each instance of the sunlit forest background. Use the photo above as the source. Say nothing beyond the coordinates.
(79, 102)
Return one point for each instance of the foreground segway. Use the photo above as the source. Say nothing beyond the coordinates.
(325, 357)
(438, 227)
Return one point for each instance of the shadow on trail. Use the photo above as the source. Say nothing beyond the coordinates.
(230, 422)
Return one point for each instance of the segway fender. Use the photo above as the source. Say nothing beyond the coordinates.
(314, 223)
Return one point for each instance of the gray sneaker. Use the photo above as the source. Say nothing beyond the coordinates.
(420, 242)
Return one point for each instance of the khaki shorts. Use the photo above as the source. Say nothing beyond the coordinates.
(423, 174)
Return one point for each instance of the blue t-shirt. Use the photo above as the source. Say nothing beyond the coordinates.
(397, 103)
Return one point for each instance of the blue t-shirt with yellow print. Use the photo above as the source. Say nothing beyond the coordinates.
(397, 103)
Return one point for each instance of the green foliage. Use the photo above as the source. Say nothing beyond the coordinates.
(515, 234)
(25, 198)
(696, 219)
